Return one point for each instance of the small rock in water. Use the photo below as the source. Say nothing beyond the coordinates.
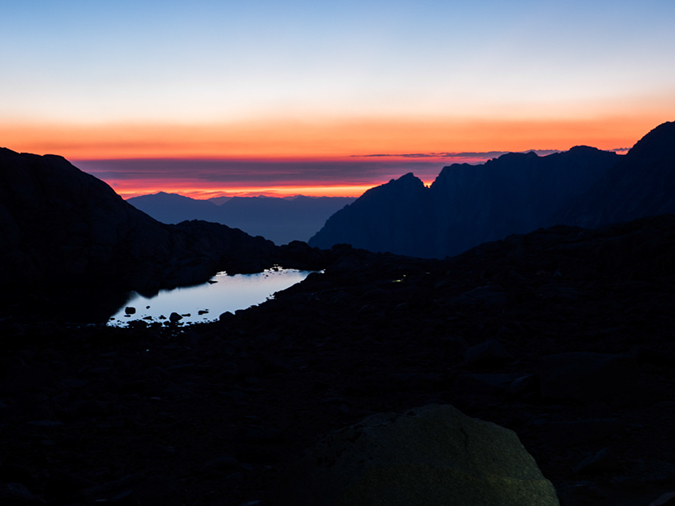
(130, 310)
(202, 311)
(175, 317)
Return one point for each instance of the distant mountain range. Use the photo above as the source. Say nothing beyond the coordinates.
(281, 220)
(516, 193)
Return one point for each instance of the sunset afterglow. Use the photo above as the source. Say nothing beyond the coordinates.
(287, 97)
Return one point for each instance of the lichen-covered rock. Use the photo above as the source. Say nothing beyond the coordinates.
(434, 455)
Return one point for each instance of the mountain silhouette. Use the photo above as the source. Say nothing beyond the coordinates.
(282, 220)
(642, 184)
(172, 208)
(395, 214)
(61, 227)
(466, 204)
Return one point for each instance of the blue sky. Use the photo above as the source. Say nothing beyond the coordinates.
(225, 61)
(77, 73)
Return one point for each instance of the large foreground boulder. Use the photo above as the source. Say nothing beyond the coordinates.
(429, 456)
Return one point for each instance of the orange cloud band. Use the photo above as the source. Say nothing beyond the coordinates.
(336, 139)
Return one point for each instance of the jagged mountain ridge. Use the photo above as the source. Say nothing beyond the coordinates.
(642, 184)
(281, 220)
(466, 205)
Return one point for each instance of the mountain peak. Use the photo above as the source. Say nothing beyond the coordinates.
(408, 179)
(659, 142)
(7, 152)
(582, 148)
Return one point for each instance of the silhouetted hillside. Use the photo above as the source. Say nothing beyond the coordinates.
(642, 184)
(466, 205)
(281, 220)
(392, 217)
(62, 227)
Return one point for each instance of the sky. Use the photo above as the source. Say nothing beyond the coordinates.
(214, 97)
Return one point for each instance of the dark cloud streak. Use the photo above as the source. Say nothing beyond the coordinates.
(484, 155)
(259, 172)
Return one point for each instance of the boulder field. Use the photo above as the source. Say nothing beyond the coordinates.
(563, 336)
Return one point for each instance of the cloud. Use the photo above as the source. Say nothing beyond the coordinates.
(259, 173)
(472, 155)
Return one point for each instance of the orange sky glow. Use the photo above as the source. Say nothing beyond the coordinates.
(279, 97)
(289, 139)
(419, 145)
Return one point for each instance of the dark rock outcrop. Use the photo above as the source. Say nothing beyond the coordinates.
(584, 376)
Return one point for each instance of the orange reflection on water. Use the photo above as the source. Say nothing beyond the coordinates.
(131, 189)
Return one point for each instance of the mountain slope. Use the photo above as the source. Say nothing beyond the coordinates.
(393, 217)
(642, 184)
(466, 205)
(516, 193)
(62, 227)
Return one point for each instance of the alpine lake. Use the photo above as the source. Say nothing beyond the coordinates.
(206, 302)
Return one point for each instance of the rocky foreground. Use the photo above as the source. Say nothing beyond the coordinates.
(565, 336)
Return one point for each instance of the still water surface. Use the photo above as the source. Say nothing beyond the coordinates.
(207, 302)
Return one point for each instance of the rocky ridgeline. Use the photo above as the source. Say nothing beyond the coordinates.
(516, 193)
(564, 336)
(641, 184)
(466, 205)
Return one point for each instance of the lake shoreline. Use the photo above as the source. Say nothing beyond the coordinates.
(207, 301)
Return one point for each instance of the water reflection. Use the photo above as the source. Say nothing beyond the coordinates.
(207, 302)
